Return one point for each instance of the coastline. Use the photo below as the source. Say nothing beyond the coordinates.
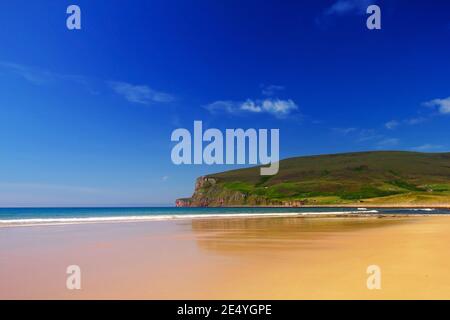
(366, 212)
(365, 205)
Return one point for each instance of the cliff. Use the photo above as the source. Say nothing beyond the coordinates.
(372, 178)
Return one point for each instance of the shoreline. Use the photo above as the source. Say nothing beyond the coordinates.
(155, 218)
(360, 205)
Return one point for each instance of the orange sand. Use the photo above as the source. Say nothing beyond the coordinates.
(242, 258)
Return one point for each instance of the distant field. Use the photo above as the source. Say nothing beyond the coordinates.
(377, 178)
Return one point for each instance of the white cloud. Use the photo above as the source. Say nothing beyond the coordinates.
(443, 105)
(277, 107)
(428, 148)
(220, 106)
(391, 124)
(140, 93)
(250, 106)
(271, 90)
(342, 7)
(164, 178)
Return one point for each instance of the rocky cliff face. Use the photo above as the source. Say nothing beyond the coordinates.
(209, 192)
(204, 194)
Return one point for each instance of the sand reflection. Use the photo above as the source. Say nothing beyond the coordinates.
(242, 235)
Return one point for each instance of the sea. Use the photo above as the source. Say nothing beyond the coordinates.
(49, 216)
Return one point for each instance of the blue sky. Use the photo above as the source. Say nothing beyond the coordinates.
(86, 116)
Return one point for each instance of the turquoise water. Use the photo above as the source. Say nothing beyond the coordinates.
(10, 216)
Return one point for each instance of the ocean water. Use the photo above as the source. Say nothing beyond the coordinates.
(40, 216)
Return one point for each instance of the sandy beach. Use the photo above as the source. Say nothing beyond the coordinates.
(230, 258)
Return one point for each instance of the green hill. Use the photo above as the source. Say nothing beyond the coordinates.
(372, 178)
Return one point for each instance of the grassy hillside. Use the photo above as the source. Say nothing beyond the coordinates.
(385, 177)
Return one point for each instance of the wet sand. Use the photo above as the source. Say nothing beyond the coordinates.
(232, 258)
